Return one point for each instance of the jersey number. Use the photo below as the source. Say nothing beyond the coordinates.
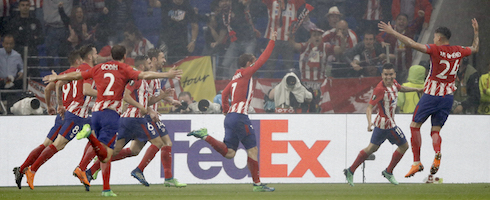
(454, 70)
(233, 85)
(108, 91)
(66, 89)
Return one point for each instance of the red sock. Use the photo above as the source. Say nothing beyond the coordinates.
(361, 157)
(106, 175)
(166, 153)
(32, 157)
(436, 141)
(124, 153)
(220, 147)
(95, 167)
(149, 155)
(98, 147)
(253, 166)
(397, 156)
(416, 142)
(45, 156)
(88, 155)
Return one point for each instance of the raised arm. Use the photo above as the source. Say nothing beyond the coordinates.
(406, 40)
(476, 40)
(266, 54)
(66, 77)
(172, 73)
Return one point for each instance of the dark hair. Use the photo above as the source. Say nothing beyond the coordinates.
(244, 58)
(24, 0)
(400, 15)
(85, 50)
(444, 31)
(153, 53)
(132, 29)
(465, 61)
(118, 52)
(8, 35)
(73, 16)
(388, 66)
(73, 57)
(139, 60)
(368, 32)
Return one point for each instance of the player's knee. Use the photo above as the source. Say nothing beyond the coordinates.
(230, 154)
(135, 152)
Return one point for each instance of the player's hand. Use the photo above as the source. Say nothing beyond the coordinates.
(274, 35)
(384, 27)
(61, 112)
(175, 73)
(370, 127)
(51, 110)
(169, 92)
(176, 103)
(144, 111)
(474, 23)
(50, 78)
(155, 116)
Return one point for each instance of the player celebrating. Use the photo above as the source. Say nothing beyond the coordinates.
(238, 127)
(74, 60)
(437, 99)
(110, 80)
(384, 97)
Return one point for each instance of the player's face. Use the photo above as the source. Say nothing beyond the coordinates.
(161, 59)
(388, 75)
(94, 56)
(369, 41)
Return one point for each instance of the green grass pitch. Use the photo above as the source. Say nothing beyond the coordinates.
(244, 191)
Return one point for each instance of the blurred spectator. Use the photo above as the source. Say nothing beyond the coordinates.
(211, 32)
(331, 18)
(205, 106)
(139, 45)
(365, 57)
(370, 13)
(313, 58)
(484, 83)
(176, 15)
(467, 94)
(5, 11)
(341, 37)
(407, 101)
(57, 44)
(27, 31)
(11, 65)
(290, 96)
(282, 14)
(185, 99)
(105, 53)
(413, 8)
(80, 34)
(233, 22)
(403, 55)
(115, 15)
(93, 9)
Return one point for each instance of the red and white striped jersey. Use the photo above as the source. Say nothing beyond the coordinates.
(154, 87)
(79, 105)
(444, 66)
(67, 89)
(373, 10)
(281, 17)
(110, 80)
(331, 37)
(385, 98)
(313, 60)
(241, 86)
(140, 93)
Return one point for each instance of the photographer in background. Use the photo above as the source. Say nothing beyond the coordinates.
(205, 107)
(185, 99)
(290, 96)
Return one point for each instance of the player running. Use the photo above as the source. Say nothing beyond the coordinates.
(238, 127)
(110, 80)
(385, 96)
(437, 99)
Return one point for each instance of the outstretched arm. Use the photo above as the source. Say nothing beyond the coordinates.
(66, 77)
(172, 73)
(476, 41)
(406, 40)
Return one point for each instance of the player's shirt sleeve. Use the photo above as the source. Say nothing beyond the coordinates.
(89, 73)
(224, 98)
(133, 85)
(377, 96)
(132, 74)
(465, 51)
(262, 59)
(431, 48)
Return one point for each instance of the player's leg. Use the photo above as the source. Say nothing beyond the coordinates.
(219, 146)
(147, 133)
(166, 157)
(438, 120)
(396, 137)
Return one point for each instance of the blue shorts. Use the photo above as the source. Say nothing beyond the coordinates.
(72, 125)
(238, 128)
(160, 126)
(53, 133)
(131, 128)
(105, 124)
(394, 135)
(438, 107)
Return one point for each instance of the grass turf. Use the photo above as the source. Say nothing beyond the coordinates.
(244, 191)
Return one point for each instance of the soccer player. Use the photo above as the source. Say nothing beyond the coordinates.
(74, 60)
(437, 99)
(110, 80)
(238, 127)
(75, 115)
(384, 97)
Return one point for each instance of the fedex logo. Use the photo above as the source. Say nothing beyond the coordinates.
(268, 150)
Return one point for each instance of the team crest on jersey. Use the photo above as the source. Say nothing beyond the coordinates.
(131, 82)
(374, 97)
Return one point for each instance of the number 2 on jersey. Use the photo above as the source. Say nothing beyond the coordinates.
(108, 91)
(454, 70)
